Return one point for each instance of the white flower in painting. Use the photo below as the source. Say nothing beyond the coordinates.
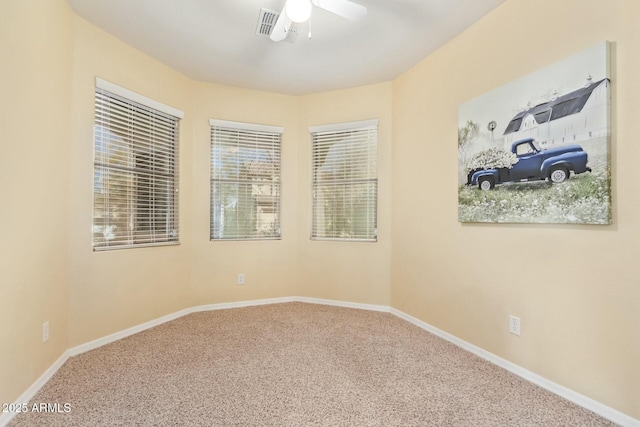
(572, 217)
(492, 158)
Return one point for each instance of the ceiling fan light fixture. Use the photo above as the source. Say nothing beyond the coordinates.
(298, 10)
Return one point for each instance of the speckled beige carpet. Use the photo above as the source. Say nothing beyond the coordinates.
(293, 364)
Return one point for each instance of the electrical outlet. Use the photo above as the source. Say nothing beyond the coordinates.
(240, 278)
(45, 331)
(514, 325)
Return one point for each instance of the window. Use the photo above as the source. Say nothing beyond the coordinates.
(245, 181)
(135, 184)
(345, 181)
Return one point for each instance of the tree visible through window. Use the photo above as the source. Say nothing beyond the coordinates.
(345, 181)
(135, 173)
(245, 181)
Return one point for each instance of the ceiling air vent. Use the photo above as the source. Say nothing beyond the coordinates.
(266, 22)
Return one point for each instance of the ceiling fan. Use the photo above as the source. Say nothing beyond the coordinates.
(296, 12)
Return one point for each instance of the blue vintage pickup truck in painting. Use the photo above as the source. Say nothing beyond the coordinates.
(533, 164)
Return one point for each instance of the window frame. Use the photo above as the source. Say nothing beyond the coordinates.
(247, 130)
(356, 126)
(132, 103)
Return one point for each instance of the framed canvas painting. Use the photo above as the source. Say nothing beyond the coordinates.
(536, 150)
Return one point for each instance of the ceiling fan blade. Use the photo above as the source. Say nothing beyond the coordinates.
(279, 31)
(345, 8)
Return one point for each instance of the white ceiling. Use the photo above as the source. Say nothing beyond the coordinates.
(215, 40)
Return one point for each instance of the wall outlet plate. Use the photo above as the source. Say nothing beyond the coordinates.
(514, 325)
(45, 331)
(240, 278)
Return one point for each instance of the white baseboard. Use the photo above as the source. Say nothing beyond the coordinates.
(5, 418)
(335, 303)
(92, 345)
(25, 397)
(240, 304)
(577, 398)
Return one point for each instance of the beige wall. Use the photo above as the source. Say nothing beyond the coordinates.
(270, 266)
(347, 271)
(113, 290)
(579, 306)
(579, 309)
(35, 81)
(358, 272)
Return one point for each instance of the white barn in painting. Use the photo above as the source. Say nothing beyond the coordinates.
(576, 116)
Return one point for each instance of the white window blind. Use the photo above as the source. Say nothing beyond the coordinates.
(135, 173)
(345, 181)
(245, 181)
